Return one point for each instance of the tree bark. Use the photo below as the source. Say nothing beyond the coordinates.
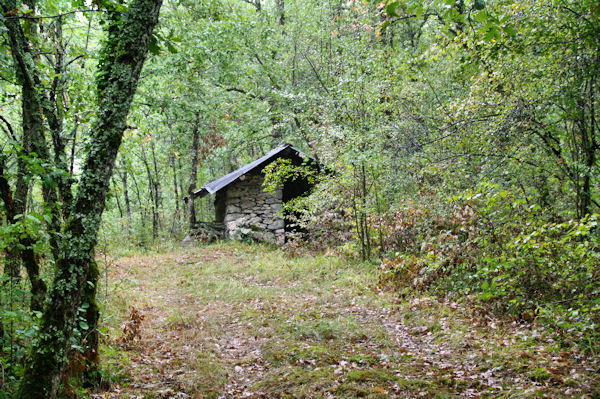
(177, 215)
(142, 212)
(11, 260)
(157, 185)
(181, 189)
(194, 172)
(117, 200)
(91, 374)
(126, 195)
(35, 106)
(26, 254)
(153, 193)
(281, 11)
(176, 190)
(119, 69)
(123, 175)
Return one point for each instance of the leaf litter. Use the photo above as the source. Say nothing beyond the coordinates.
(237, 321)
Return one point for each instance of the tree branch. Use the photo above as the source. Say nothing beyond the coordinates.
(36, 17)
(8, 130)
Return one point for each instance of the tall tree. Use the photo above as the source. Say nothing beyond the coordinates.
(123, 55)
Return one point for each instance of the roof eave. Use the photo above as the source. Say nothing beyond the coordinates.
(206, 189)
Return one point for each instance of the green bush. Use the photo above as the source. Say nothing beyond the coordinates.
(508, 254)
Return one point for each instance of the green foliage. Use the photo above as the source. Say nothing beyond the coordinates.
(461, 136)
(507, 254)
(20, 325)
(284, 171)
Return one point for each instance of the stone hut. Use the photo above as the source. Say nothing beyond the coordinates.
(243, 209)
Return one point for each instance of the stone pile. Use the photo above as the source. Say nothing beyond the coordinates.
(208, 231)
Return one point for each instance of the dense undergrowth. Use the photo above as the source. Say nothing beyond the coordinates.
(509, 256)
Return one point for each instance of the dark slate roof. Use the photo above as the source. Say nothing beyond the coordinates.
(284, 151)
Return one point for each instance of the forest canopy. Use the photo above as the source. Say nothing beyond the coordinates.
(462, 138)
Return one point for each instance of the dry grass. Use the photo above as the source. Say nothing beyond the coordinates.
(239, 321)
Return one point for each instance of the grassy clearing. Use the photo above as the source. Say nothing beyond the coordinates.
(233, 320)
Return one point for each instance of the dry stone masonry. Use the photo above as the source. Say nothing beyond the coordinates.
(205, 232)
(253, 213)
(243, 210)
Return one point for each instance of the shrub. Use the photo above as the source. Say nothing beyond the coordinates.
(509, 253)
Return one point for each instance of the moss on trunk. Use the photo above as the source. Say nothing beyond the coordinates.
(119, 72)
(91, 375)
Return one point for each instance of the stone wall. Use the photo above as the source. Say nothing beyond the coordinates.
(205, 232)
(252, 213)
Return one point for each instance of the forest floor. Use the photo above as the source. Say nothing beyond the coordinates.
(241, 321)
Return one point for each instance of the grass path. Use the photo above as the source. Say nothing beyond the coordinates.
(238, 321)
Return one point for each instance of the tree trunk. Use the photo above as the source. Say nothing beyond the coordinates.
(152, 192)
(176, 190)
(91, 373)
(123, 175)
(364, 211)
(38, 287)
(181, 190)
(139, 201)
(281, 11)
(25, 254)
(126, 195)
(589, 146)
(194, 171)
(35, 106)
(157, 187)
(54, 114)
(177, 215)
(117, 200)
(123, 57)
(73, 146)
(11, 259)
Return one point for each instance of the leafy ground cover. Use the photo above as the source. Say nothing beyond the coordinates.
(241, 321)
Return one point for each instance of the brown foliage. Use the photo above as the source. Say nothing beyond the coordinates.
(132, 328)
(323, 232)
(422, 245)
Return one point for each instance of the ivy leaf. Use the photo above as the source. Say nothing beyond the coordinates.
(391, 9)
(510, 31)
(384, 26)
(418, 11)
(83, 325)
(172, 49)
(153, 46)
(49, 181)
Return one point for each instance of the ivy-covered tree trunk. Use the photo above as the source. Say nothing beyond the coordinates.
(11, 258)
(123, 57)
(35, 108)
(91, 374)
